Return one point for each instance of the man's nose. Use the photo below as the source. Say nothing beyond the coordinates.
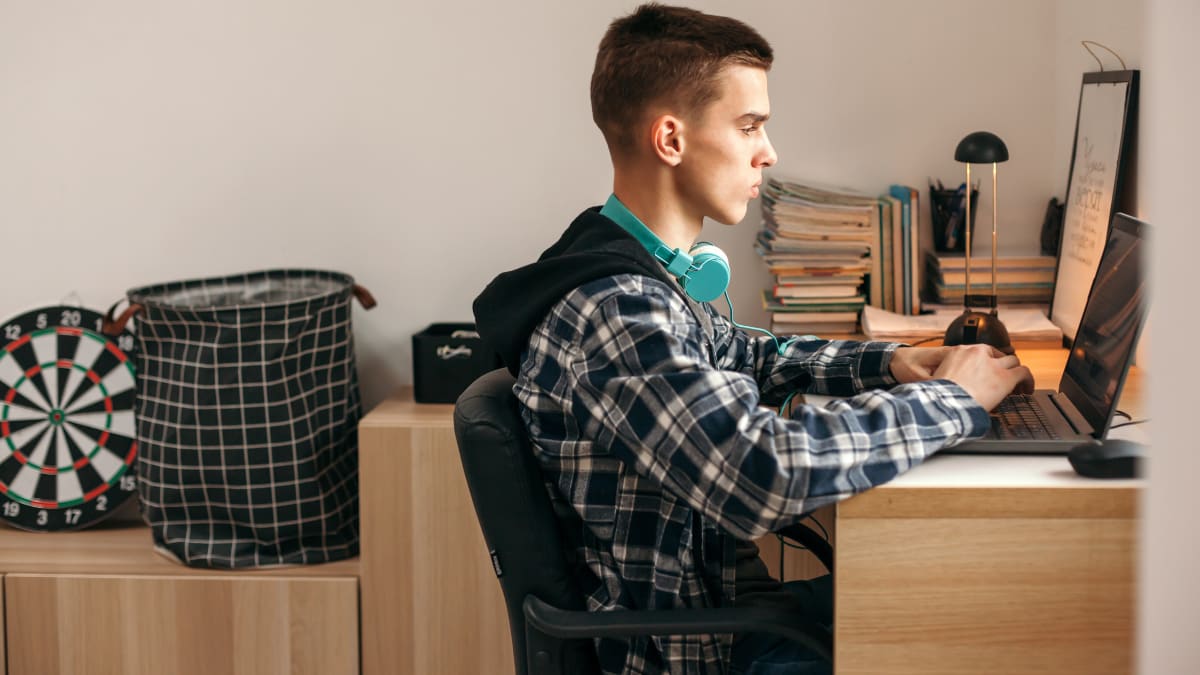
(767, 156)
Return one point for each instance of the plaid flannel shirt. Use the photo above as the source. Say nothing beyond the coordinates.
(647, 414)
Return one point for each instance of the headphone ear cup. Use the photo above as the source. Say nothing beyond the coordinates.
(709, 275)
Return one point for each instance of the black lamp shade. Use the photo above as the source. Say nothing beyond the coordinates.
(981, 147)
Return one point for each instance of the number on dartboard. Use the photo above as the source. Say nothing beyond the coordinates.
(70, 317)
(67, 432)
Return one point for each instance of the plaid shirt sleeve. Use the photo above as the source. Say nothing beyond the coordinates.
(648, 389)
(806, 364)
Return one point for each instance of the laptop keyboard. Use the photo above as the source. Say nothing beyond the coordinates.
(1018, 416)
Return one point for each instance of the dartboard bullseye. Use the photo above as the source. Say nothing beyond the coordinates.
(67, 434)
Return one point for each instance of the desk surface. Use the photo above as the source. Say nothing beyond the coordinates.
(1008, 486)
(1000, 471)
(987, 486)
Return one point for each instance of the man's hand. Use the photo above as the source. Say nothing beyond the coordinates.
(914, 364)
(985, 372)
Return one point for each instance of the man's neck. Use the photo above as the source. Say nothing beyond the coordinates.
(654, 201)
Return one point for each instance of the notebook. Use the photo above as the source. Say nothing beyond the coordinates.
(1082, 407)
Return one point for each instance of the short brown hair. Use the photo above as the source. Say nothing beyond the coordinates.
(661, 53)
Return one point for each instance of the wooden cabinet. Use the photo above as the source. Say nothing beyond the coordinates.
(430, 600)
(97, 625)
(101, 602)
(3, 636)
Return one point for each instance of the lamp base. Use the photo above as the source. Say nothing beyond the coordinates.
(971, 328)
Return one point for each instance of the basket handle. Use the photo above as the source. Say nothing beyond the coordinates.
(364, 297)
(113, 327)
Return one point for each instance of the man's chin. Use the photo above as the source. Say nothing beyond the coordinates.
(731, 217)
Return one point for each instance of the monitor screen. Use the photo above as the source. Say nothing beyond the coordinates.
(1111, 323)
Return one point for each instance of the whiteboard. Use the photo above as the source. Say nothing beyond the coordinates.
(1093, 186)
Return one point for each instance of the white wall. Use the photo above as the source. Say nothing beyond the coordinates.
(1117, 24)
(424, 147)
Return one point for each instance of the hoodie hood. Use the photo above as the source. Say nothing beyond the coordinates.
(515, 302)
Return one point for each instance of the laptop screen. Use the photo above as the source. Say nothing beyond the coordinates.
(1109, 328)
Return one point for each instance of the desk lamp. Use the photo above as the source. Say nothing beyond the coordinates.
(978, 327)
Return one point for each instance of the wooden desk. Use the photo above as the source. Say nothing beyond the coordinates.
(950, 565)
(981, 564)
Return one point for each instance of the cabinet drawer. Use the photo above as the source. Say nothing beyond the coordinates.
(185, 625)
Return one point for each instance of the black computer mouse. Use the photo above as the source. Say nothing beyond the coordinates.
(1109, 458)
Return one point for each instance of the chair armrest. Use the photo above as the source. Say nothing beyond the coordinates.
(808, 538)
(567, 624)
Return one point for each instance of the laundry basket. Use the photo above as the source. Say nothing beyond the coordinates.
(247, 415)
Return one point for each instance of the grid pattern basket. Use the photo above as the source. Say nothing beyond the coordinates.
(247, 417)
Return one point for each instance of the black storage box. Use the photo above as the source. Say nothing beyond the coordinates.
(447, 357)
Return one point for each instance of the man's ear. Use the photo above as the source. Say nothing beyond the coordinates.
(667, 138)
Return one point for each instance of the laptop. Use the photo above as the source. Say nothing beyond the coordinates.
(1052, 422)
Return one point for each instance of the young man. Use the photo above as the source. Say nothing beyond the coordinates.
(651, 415)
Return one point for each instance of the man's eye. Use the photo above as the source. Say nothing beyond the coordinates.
(749, 130)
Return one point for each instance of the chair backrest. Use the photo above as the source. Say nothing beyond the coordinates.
(514, 511)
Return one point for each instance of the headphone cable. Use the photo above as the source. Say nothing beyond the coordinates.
(779, 347)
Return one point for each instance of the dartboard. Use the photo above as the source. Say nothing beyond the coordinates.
(67, 435)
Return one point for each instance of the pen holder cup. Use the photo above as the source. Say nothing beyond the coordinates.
(948, 211)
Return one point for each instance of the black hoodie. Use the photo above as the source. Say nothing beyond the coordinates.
(515, 302)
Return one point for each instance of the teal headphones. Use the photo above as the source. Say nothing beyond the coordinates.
(703, 271)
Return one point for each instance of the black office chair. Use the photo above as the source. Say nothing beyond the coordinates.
(552, 632)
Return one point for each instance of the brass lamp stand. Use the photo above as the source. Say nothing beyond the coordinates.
(980, 327)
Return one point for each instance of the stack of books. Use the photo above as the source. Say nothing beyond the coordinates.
(1026, 279)
(819, 245)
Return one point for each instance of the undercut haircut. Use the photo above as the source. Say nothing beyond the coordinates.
(665, 55)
